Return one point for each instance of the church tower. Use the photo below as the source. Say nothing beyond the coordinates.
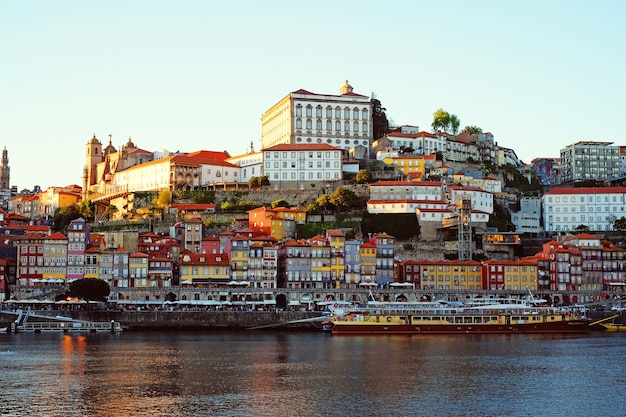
(92, 158)
(5, 177)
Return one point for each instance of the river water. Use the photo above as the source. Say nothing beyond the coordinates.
(311, 374)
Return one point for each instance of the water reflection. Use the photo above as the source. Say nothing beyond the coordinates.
(265, 374)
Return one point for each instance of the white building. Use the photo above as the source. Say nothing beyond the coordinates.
(250, 165)
(303, 117)
(588, 160)
(298, 166)
(528, 218)
(481, 200)
(564, 209)
(406, 190)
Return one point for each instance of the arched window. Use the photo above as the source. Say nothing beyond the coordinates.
(309, 124)
(329, 112)
(346, 126)
(364, 114)
(337, 112)
(329, 124)
(318, 111)
(337, 125)
(355, 126)
(309, 111)
(346, 113)
(355, 114)
(365, 128)
(298, 123)
(318, 124)
(298, 110)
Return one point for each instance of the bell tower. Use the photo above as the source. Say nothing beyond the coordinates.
(5, 177)
(93, 157)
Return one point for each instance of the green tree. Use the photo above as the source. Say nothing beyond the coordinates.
(343, 198)
(582, 228)
(444, 121)
(254, 183)
(87, 210)
(93, 289)
(63, 216)
(364, 176)
(380, 124)
(110, 211)
(280, 203)
(164, 199)
(620, 224)
(472, 129)
(227, 206)
(454, 124)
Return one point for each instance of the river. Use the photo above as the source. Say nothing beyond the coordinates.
(311, 374)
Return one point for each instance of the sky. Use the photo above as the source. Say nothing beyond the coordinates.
(197, 75)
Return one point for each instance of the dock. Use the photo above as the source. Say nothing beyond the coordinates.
(60, 324)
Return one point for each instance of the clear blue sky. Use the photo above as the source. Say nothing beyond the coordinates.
(191, 75)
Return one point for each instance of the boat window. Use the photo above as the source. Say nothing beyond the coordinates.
(458, 320)
(477, 320)
(467, 320)
(494, 318)
(486, 319)
(450, 319)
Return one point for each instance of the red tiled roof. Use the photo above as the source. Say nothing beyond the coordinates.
(407, 183)
(302, 147)
(588, 190)
(56, 236)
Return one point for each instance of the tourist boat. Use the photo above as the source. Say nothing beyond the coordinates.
(493, 317)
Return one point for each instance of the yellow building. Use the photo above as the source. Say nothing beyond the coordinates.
(138, 265)
(58, 197)
(279, 222)
(337, 241)
(412, 165)
(239, 257)
(521, 274)
(320, 262)
(202, 269)
(55, 259)
(458, 275)
(92, 261)
(367, 253)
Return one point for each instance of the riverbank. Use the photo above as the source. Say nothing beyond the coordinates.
(191, 320)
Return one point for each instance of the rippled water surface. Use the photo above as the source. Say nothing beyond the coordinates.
(311, 374)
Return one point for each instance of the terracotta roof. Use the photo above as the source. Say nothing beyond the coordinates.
(588, 190)
(407, 183)
(56, 236)
(302, 147)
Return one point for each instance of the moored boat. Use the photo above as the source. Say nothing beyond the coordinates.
(443, 318)
(614, 327)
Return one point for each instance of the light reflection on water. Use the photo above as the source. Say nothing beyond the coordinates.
(310, 374)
